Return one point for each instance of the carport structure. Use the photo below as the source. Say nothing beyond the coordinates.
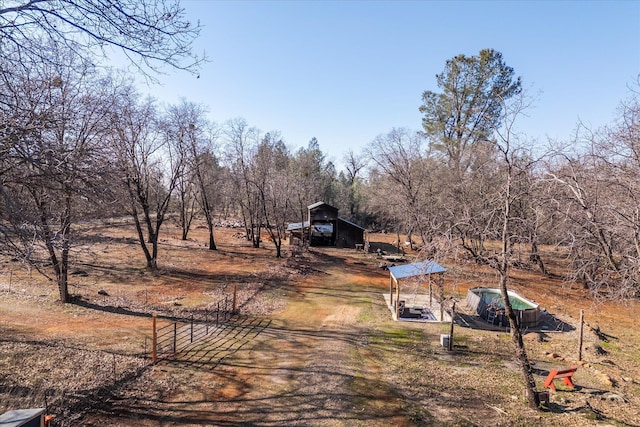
(417, 273)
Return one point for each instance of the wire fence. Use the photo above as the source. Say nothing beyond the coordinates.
(171, 339)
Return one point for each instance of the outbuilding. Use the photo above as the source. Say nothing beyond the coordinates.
(325, 228)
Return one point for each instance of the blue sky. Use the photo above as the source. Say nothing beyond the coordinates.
(347, 71)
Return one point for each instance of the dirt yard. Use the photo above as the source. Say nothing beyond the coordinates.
(313, 344)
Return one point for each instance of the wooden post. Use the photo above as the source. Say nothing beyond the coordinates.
(191, 340)
(391, 289)
(235, 298)
(175, 333)
(397, 300)
(453, 315)
(115, 372)
(218, 313)
(430, 293)
(580, 338)
(441, 301)
(206, 321)
(154, 354)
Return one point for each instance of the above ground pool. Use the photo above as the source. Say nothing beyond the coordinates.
(487, 302)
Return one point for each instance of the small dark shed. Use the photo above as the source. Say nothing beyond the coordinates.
(349, 234)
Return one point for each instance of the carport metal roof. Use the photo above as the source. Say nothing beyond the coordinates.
(416, 269)
(297, 225)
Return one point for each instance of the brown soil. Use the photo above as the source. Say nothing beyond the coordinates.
(314, 343)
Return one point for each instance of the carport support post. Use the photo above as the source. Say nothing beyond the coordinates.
(397, 300)
(154, 354)
(391, 289)
(453, 315)
(441, 286)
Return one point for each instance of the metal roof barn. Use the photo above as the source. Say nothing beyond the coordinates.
(325, 228)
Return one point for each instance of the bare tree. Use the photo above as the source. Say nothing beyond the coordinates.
(196, 137)
(400, 158)
(350, 183)
(272, 179)
(150, 169)
(149, 33)
(175, 130)
(516, 165)
(242, 141)
(55, 159)
(598, 191)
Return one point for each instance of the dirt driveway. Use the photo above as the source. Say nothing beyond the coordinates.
(305, 365)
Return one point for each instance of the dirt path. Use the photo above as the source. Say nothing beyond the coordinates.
(304, 366)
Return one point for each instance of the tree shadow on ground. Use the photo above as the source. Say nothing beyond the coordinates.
(548, 323)
(317, 391)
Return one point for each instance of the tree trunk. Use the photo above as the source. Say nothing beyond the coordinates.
(212, 242)
(152, 264)
(60, 265)
(516, 336)
(63, 276)
(536, 259)
(521, 354)
(209, 219)
(141, 238)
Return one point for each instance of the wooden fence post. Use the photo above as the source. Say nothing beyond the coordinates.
(235, 298)
(175, 333)
(580, 338)
(218, 313)
(191, 340)
(154, 354)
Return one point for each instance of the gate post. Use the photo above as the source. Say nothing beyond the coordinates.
(175, 332)
(235, 298)
(154, 354)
